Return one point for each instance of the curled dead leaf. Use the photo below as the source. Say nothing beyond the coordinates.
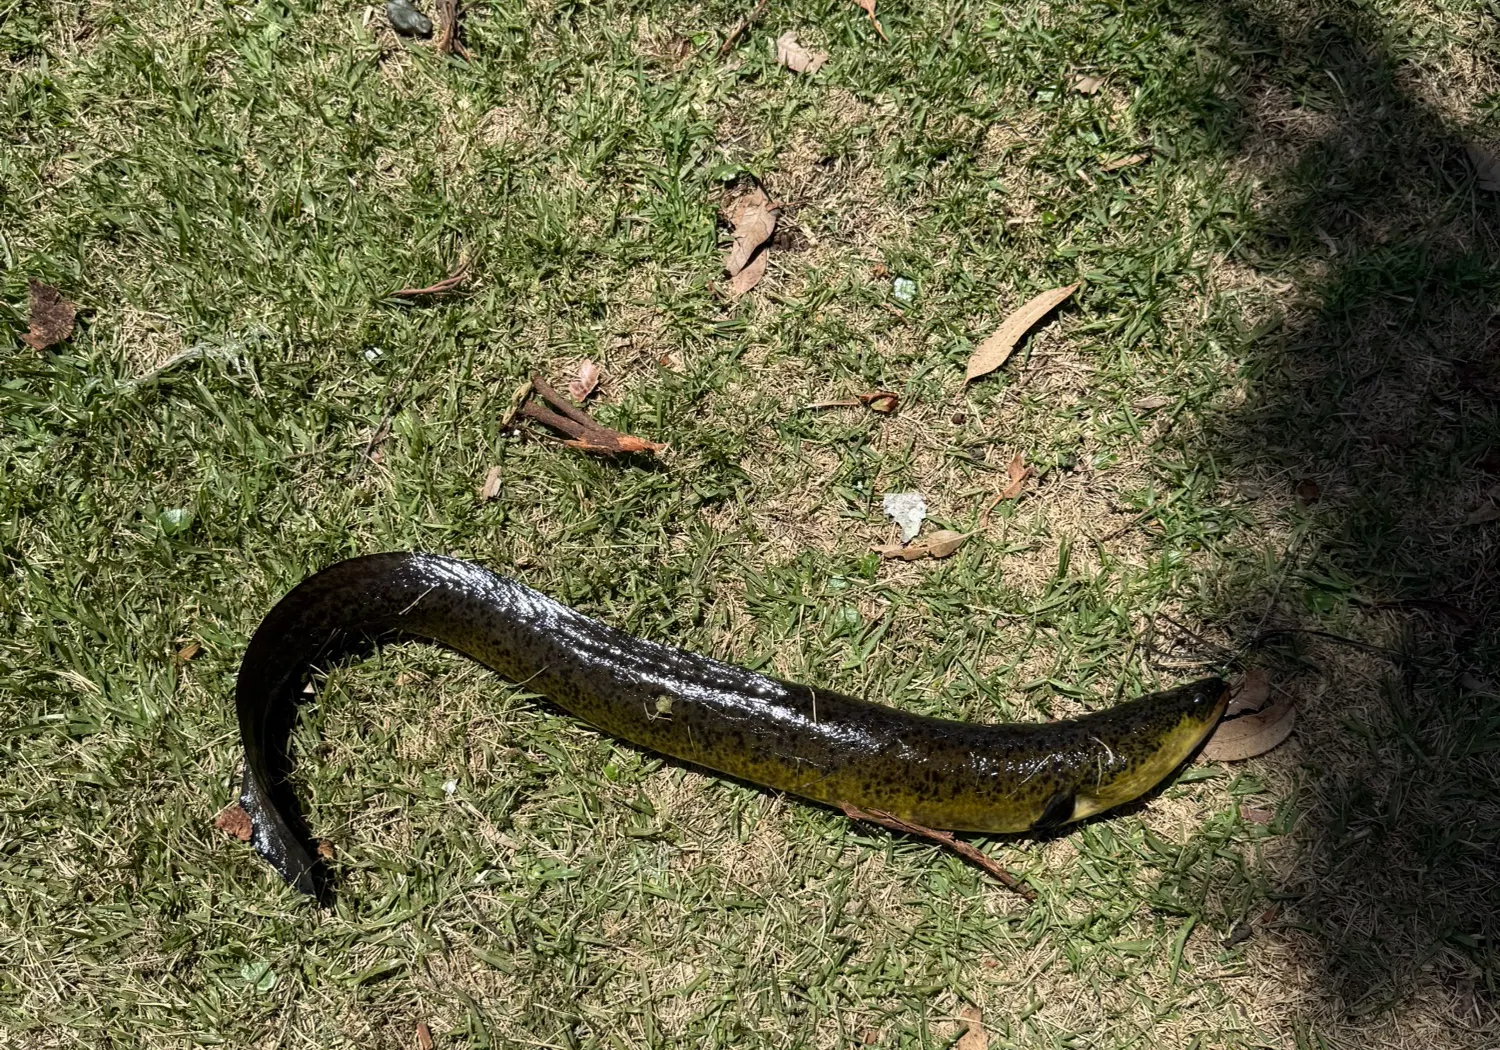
(1256, 815)
(585, 382)
(51, 317)
(1252, 693)
(750, 276)
(796, 57)
(188, 651)
(939, 545)
(973, 1036)
(993, 352)
(235, 822)
(882, 401)
(491, 487)
(1150, 404)
(1251, 734)
(753, 221)
(1088, 85)
(424, 1036)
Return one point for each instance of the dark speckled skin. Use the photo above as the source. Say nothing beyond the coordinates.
(809, 742)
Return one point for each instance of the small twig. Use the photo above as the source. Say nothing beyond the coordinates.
(749, 20)
(447, 39)
(446, 286)
(581, 428)
(563, 405)
(943, 838)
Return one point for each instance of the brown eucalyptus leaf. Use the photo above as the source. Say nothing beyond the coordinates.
(939, 545)
(973, 1036)
(1017, 471)
(1252, 734)
(754, 221)
(51, 317)
(1127, 161)
(882, 401)
(491, 487)
(796, 57)
(1150, 404)
(585, 382)
(993, 352)
(749, 277)
(1251, 694)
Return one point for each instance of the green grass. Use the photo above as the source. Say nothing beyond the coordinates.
(1305, 270)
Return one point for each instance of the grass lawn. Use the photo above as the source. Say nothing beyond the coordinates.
(1274, 401)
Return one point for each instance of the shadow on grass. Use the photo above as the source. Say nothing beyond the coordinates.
(1376, 395)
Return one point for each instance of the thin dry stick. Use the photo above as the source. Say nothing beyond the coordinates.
(942, 838)
(753, 17)
(445, 286)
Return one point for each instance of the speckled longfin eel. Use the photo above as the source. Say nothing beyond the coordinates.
(809, 742)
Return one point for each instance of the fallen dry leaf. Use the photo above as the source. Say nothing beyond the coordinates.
(1128, 161)
(750, 276)
(1251, 694)
(1088, 85)
(235, 822)
(1256, 815)
(187, 652)
(1489, 512)
(1308, 492)
(1017, 471)
(491, 487)
(1474, 684)
(753, 221)
(424, 1036)
(993, 352)
(51, 317)
(1486, 167)
(585, 382)
(972, 1037)
(939, 545)
(1152, 403)
(1251, 734)
(797, 58)
(868, 7)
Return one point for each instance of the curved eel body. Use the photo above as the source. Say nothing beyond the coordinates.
(808, 742)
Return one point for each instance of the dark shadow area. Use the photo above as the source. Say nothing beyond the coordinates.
(1370, 435)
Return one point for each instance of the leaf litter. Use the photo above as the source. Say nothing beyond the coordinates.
(1254, 722)
(797, 57)
(50, 318)
(753, 220)
(994, 351)
(1017, 471)
(939, 545)
(883, 401)
(972, 1035)
(585, 382)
